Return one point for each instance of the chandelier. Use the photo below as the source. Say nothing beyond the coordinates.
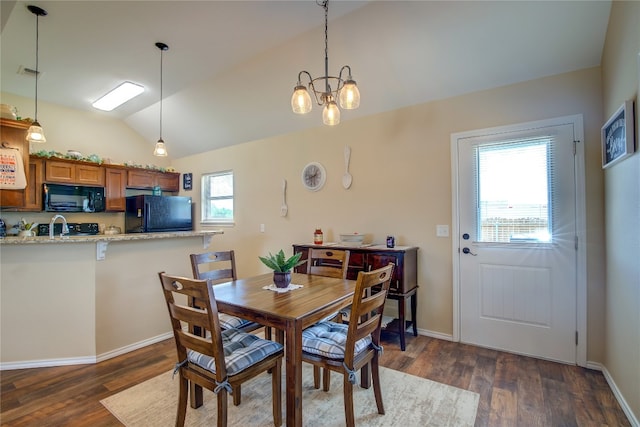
(344, 90)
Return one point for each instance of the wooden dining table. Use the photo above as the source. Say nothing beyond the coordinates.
(291, 312)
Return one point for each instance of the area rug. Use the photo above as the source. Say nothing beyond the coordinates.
(408, 401)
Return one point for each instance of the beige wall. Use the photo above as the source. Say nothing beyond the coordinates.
(401, 167)
(620, 76)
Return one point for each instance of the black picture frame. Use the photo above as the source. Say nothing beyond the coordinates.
(618, 135)
(187, 181)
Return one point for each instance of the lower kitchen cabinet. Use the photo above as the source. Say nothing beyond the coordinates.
(404, 283)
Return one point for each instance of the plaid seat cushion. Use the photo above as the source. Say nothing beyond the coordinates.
(231, 322)
(241, 350)
(328, 339)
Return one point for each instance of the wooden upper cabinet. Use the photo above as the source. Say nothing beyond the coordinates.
(115, 189)
(147, 179)
(68, 172)
(13, 134)
(33, 192)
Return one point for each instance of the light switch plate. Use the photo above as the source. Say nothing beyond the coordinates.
(442, 230)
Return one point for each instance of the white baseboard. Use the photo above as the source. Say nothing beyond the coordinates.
(48, 363)
(433, 334)
(616, 392)
(126, 349)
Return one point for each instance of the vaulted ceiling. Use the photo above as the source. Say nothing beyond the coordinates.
(231, 65)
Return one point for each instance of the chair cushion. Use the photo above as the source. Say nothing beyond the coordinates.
(328, 339)
(231, 322)
(241, 350)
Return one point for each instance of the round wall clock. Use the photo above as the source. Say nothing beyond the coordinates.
(313, 176)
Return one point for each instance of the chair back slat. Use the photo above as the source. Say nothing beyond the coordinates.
(328, 262)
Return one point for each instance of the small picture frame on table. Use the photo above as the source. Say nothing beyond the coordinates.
(187, 181)
(618, 135)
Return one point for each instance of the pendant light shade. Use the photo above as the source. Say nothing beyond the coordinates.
(301, 100)
(331, 114)
(344, 90)
(160, 149)
(35, 132)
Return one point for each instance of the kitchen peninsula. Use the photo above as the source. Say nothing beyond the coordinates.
(61, 305)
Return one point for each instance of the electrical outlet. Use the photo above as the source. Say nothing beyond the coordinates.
(262, 228)
(442, 230)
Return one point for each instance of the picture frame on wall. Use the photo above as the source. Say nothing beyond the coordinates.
(618, 135)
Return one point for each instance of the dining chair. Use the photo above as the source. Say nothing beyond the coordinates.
(219, 267)
(223, 359)
(346, 348)
(329, 263)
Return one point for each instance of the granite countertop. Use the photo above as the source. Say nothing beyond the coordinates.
(14, 240)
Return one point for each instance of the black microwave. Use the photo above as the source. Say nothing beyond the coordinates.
(72, 198)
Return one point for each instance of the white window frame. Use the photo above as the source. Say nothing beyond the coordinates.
(206, 217)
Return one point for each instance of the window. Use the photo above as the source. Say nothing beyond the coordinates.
(217, 197)
(512, 191)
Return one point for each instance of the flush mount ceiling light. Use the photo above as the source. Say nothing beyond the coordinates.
(35, 132)
(160, 150)
(345, 90)
(118, 96)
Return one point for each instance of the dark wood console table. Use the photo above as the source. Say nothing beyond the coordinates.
(404, 283)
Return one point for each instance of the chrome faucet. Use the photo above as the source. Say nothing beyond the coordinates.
(65, 228)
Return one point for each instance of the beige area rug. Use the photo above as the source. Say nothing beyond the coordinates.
(408, 401)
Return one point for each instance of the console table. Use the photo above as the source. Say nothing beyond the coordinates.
(404, 283)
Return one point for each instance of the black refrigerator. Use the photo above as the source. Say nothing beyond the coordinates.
(153, 214)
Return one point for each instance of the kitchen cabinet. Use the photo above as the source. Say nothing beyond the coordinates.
(13, 134)
(72, 172)
(404, 282)
(33, 192)
(115, 189)
(147, 179)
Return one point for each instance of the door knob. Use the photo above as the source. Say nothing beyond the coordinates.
(468, 251)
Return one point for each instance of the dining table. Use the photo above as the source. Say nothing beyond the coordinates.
(290, 312)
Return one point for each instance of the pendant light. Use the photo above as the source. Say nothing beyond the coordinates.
(35, 132)
(160, 149)
(346, 90)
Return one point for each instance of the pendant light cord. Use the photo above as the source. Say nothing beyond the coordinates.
(161, 55)
(37, 72)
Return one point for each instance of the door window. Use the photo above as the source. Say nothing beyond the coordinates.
(512, 193)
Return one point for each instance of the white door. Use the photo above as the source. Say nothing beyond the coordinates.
(517, 255)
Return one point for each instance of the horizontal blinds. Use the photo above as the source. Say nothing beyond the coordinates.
(513, 190)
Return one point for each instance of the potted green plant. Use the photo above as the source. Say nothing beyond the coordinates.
(281, 267)
(27, 229)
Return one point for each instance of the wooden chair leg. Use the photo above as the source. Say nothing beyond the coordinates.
(195, 395)
(348, 402)
(276, 392)
(377, 389)
(237, 395)
(182, 402)
(267, 333)
(326, 379)
(222, 408)
(316, 376)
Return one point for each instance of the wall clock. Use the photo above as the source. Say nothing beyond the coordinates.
(313, 176)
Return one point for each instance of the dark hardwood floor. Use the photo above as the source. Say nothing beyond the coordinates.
(514, 390)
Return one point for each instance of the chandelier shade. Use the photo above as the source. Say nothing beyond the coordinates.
(326, 89)
(35, 133)
(160, 148)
